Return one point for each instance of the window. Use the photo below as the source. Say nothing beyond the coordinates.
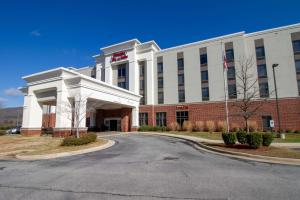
(181, 96)
(203, 59)
(180, 63)
(182, 116)
(122, 71)
(142, 101)
(262, 71)
(231, 73)
(205, 94)
(296, 46)
(160, 97)
(122, 85)
(229, 55)
(232, 91)
(181, 79)
(266, 122)
(204, 76)
(260, 52)
(103, 74)
(298, 86)
(142, 84)
(263, 89)
(142, 70)
(161, 119)
(160, 82)
(143, 119)
(297, 63)
(160, 67)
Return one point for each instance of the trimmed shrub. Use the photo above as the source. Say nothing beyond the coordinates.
(199, 126)
(289, 131)
(187, 126)
(152, 128)
(252, 126)
(73, 141)
(241, 136)
(174, 126)
(234, 127)
(229, 138)
(267, 139)
(297, 131)
(254, 140)
(221, 126)
(210, 126)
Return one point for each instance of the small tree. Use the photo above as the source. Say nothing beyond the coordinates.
(247, 90)
(79, 110)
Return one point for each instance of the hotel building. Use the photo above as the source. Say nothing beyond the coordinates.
(135, 83)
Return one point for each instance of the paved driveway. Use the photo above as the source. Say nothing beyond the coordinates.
(147, 167)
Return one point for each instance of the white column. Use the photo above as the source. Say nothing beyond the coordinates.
(135, 117)
(80, 110)
(150, 82)
(32, 112)
(63, 111)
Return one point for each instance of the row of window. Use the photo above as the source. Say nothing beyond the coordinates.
(161, 118)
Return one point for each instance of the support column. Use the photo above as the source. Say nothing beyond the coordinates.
(63, 117)
(80, 115)
(135, 119)
(32, 116)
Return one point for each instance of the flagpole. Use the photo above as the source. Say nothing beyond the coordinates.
(225, 87)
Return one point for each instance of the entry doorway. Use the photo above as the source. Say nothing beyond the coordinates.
(113, 124)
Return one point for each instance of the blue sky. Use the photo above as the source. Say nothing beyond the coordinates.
(40, 35)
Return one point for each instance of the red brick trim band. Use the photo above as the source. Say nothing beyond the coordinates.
(66, 132)
(31, 131)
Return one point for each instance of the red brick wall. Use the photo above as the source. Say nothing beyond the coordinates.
(289, 112)
(48, 120)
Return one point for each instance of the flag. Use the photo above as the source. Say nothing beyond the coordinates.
(225, 65)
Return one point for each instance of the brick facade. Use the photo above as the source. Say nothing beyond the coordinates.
(31, 132)
(48, 120)
(289, 112)
(60, 132)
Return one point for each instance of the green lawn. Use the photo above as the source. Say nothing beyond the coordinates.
(289, 137)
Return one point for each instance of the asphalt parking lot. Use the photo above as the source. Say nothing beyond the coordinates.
(147, 167)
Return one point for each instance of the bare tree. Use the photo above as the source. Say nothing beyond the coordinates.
(248, 95)
(77, 111)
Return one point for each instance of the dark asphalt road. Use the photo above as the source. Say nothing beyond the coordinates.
(147, 167)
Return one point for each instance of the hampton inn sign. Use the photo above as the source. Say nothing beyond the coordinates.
(134, 83)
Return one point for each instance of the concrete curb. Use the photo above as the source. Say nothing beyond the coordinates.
(239, 155)
(110, 143)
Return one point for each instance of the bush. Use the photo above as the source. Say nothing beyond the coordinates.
(254, 140)
(297, 131)
(199, 126)
(187, 126)
(210, 126)
(252, 126)
(174, 126)
(152, 128)
(86, 139)
(221, 126)
(234, 127)
(289, 131)
(267, 139)
(229, 138)
(241, 136)
(2, 132)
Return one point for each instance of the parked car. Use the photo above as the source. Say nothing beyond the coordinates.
(15, 130)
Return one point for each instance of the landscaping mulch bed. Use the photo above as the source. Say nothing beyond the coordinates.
(263, 151)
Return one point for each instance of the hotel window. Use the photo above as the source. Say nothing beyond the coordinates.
(103, 74)
(296, 46)
(232, 91)
(182, 116)
(122, 79)
(160, 80)
(180, 64)
(181, 79)
(261, 68)
(204, 76)
(142, 82)
(160, 97)
(266, 122)
(230, 55)
(260, 52)
(297, 63)
(264, 89)
(231, 73)
(161, 119)
(181, 96)
(203, 59)
(262, 71)
(205, 94)
(298, 85)
(143, 119)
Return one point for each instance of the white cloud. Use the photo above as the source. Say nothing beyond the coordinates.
(35, 33)
(12, 92)
(2, 100)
